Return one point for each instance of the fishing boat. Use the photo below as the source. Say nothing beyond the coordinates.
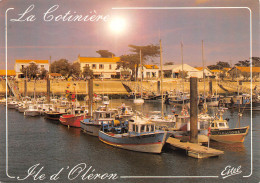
(220, 131)
(163, 122)
(92, 126)
(73, 120)
(135, 135)
(12, 104)
(56, 114)
(32, 110)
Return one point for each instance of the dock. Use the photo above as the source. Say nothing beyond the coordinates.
(194, 150)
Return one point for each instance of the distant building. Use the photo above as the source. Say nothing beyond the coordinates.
(148, 71)
(207, 72)
(9, 73)
(19, 64)
(101, 67)
(173, 71)
(216, 73)
(246, 70)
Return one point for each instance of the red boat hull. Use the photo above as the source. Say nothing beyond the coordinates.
(71, 120)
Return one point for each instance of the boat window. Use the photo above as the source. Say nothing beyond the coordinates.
(221, 124)
(152, 128)
(149, 128)
(107, 115)
(133, 128)
(136, 128)
(143, 128)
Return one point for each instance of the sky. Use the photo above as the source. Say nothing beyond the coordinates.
(225, 32)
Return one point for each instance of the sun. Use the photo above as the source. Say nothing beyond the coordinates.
(117, 25)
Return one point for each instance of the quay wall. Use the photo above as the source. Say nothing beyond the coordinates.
(115, 87)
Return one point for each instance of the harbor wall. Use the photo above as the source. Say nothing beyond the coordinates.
(115, 87)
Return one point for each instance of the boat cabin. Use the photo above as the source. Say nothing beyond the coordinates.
(146, 127)
(219, 124)
(104, 115)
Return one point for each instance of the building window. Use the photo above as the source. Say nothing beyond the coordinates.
(22, 66)
(101, 66)
(93, 66)
(86, 65)
(110, 66)
(42, 66)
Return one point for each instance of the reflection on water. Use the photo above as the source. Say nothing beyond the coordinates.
(234, 147)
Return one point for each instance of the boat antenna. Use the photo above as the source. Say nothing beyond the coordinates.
(161, 60)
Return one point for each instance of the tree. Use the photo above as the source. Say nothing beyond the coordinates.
(147, 52)
(61, 66)
(219, 66)
(74, 70)
(245, 63)
(87, 72)
(169, 63)
(105, 53)
(132, 61)
(30, 71)
(43, 73)
(256, 61)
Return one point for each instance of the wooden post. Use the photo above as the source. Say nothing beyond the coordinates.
(158, 87)
(194, 109)
(48, 89)
(210, 87)
(90, 96)
(25, 87)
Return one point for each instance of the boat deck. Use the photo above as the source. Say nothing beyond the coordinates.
(194, 150)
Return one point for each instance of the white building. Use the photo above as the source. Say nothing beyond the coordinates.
(148, 71)
(101, 67)
(207, 72)
(172, 71)
(19, 64)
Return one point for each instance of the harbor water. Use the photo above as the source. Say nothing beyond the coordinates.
(37, 145)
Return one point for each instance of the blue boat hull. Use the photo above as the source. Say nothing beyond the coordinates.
(151, 143)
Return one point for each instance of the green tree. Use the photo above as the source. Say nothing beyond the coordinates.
(169, 63)
(256, 61)
(74, 70)
(43, 73)
(219, 66)
(132, 61)
(105, 53)
(245, 63)
(61, 66)
(31, 70)
(87, 72)
(147, 52)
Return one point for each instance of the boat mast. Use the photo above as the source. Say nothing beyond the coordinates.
(182, 74)
(141, 72)
(135, 79)
(161, 75)
(203, 71)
